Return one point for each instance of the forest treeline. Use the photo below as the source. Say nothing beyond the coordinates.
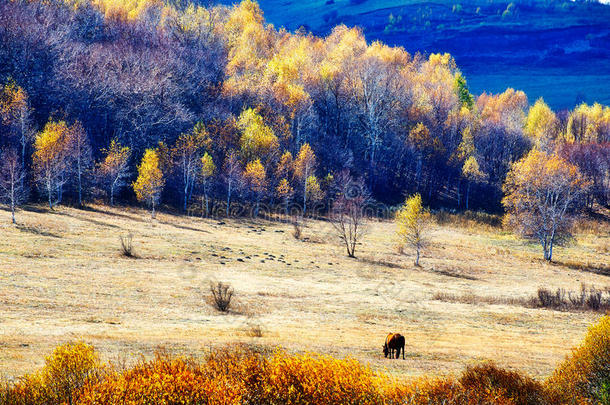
(182, 104)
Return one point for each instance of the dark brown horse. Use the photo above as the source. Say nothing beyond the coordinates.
(395, 342)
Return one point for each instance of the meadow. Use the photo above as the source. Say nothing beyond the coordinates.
(63, 278)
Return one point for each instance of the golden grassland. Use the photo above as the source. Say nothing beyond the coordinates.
(62, 278)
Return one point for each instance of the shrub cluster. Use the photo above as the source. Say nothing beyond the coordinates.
(588, 298)
(65, 372)
(238, 374)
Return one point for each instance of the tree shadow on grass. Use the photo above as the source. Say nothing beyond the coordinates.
(36, 208)
(84, 218)
(453, 274)
(383, 263)
(601, 269)
(113, 214)
(37, 231)
(186, 227)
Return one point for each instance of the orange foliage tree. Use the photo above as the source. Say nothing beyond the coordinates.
(542, 193)
(256, 178)
(284, 192)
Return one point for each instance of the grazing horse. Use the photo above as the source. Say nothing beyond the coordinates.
(394, 342)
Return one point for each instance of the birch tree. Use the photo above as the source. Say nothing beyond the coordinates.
(12, 190)
(542, 195)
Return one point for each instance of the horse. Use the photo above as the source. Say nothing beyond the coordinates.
(394, 342)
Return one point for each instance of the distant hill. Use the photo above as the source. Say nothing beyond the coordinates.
(559, 50)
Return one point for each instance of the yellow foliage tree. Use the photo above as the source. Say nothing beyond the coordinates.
(258, 141)
(541, 124)
(466, 147)
(68, 368)
(304, 166)
(114, 169)
(413, 223)
(150, 182)
(250, 47)
(208, 168)
(313, 190)
(126, 10)
(425, 145)
(15, 112)
(256, 178)
(541, 194)
(589, 124)
(50, 159)
(289, 72)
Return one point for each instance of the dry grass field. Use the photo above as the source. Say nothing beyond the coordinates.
(62, 278)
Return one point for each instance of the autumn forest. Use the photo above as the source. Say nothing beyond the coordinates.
(193, 106)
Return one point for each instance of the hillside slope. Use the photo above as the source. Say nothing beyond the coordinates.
(62, 272)
(555, 49)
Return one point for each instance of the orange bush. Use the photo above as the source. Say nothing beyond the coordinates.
(584, 377)
(68, 368)
(236, 375)
(488, 381)
(164, 380)
(425, 392)
(316, 379)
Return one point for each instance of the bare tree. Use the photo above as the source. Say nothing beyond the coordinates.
(12, 190)
(347, 214)
(80, 154)
(232, 177)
